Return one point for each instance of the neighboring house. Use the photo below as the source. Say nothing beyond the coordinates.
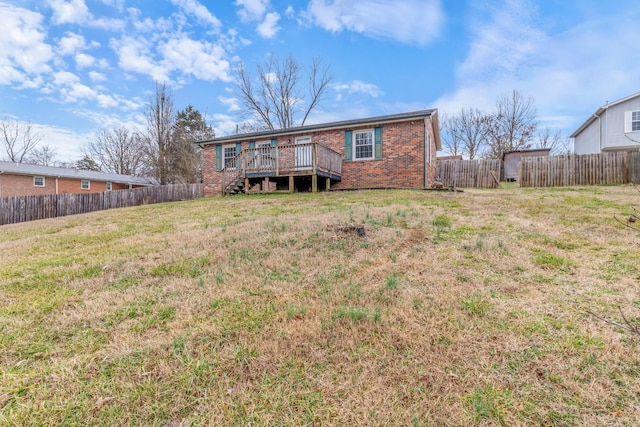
(613, 127)
(511, 161)
(395, 151)
(21, 179)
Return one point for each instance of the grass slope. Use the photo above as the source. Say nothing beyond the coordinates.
(455, 309)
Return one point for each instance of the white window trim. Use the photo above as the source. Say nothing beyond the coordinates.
(636, 122)
(373, 145)
(628, 121)
(44, 182)
(224, 157)
(109, 186)
(82, 187)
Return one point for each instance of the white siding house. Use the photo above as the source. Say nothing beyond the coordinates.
(613, 127)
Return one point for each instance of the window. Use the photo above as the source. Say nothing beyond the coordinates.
(363, 144)
(229, 156)
(38, 181)
(85, 184)
(108, 186)
(635, 121)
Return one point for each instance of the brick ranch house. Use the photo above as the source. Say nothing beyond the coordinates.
(21, 179)
(394, 151)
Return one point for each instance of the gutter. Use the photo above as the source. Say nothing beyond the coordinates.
(599, 132)
(372, 121)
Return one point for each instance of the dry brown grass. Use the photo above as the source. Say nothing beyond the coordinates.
(455, 309)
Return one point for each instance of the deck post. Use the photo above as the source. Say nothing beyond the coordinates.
(291, 186)
(328, 184)
(266, 184)
(246, 185)
(314, 183)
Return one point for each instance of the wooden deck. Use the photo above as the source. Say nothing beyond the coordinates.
(287, 161)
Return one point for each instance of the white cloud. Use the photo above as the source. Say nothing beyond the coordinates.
(160, 59)
(71, 12)
(499, 47)
(83, 60)
(576, 69)
(269, 27)
(118, 4)
(224, 124)
(97, 77)
(135, 55)
(77, 12)
(233, 104)
(70, 44)
(407, 21)
(356, 86)
(197, 9)
(67, 143)
(290, 12)
(252, 10)
(203, 60)
(24, 50)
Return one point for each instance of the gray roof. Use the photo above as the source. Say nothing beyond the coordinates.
(27, 169)
(599, 112)
(325, 126)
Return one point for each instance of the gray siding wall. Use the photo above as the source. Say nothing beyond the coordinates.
(607, 132)
(613, 128)
(588, 142)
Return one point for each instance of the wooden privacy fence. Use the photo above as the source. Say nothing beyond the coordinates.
(30, 208)
(469, 173)
(587, 169)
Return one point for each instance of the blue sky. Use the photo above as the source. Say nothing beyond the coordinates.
(72, 67)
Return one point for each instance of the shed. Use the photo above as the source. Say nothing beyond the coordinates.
(511, 161)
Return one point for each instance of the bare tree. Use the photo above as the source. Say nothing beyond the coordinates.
(19, 139)
(44, 156)
(158, 136)
(513, 125)
(277, 99)
(553, 141)
(451, 142)
(118, 151)
(467, 132)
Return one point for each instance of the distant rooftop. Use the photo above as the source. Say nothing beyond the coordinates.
(50, 171)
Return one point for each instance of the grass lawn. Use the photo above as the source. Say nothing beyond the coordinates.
(455, 309)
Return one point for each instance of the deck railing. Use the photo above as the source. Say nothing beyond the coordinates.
(292, 159)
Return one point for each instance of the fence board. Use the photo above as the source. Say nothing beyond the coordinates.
(469, 173)
(587, 169)
(29, 208)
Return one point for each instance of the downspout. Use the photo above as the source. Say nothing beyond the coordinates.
(1, 172)
(57, 184)
(424, 169)
(599, 132)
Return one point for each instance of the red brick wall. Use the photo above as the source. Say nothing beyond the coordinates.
(401, 166)
(22, 185)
